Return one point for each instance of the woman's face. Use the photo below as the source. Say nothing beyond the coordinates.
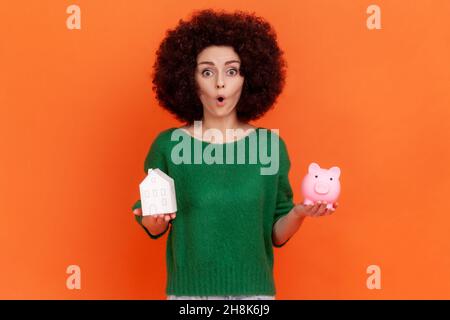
(218, 80)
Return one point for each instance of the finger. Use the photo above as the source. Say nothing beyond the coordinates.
(323, 208)
(316, 208)
(312, 208)
(313, 211)
(137, 212)
(173, 215)
(167, 218)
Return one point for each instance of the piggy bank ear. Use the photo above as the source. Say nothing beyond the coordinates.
(335, 171)
(313, 167)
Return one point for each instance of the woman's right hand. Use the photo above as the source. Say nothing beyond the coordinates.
(155, 220)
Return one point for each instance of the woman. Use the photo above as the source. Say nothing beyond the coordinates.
(221, 70)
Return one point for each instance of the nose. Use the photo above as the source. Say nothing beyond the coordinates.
(220, 83)
(321, 188)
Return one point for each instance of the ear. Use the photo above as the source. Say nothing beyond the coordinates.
(335, 171)
(313, 167)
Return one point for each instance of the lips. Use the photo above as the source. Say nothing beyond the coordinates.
(220, 100)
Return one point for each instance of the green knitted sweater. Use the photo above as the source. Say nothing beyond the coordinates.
(220, 242)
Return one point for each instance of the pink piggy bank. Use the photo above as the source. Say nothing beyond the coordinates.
(321, 185)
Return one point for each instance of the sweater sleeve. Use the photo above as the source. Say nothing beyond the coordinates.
(155, 159)
(285, 195)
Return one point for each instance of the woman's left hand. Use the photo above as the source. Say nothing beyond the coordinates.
(317, 209)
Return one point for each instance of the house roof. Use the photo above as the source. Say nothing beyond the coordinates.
(159, 175)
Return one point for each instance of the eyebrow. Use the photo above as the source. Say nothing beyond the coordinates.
(211, 63)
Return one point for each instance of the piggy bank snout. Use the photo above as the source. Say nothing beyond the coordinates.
(321, 188)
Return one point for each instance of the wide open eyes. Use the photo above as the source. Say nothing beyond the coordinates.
(207, 73)
(230, 72)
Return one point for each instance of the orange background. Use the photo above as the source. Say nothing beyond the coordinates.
(78, 116)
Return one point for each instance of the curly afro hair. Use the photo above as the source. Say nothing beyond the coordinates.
(252, 38)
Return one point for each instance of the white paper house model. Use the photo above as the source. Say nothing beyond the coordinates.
(157, 193)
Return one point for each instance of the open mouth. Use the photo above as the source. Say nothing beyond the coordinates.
(220, 101)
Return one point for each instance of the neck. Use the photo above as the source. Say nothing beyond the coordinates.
(221, 123)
